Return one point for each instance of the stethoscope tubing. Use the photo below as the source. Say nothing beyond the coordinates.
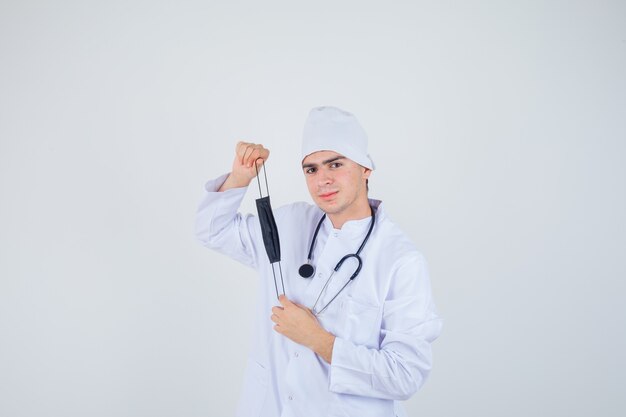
(340, 263)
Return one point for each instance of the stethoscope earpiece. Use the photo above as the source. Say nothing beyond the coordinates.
(306, 270)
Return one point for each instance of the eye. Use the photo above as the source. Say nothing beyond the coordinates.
(310, 170)
(336, 164)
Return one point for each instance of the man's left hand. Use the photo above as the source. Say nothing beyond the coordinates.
(300, 325)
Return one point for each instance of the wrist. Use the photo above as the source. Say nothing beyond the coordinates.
(235, 181)
(323, 344)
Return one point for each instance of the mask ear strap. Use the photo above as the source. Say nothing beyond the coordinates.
(268, 227)
(267, 188)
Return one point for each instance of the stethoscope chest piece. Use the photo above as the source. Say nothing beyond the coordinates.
(306, 270)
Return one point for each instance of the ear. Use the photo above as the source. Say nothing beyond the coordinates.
(366, 173)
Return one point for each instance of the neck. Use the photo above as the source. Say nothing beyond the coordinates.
(361, 211)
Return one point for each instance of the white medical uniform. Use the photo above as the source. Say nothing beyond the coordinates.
(384, 321)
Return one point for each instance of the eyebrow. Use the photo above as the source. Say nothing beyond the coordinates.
(326, 162)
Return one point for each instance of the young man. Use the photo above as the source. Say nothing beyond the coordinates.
(332, 345)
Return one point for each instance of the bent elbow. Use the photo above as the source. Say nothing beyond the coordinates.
(207, 235)
(404, 382)
(406, 388)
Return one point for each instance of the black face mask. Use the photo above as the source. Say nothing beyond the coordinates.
(269, 230)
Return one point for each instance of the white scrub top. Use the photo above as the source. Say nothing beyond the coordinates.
(384, 321)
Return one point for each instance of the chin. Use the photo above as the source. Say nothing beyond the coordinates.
(329, 208)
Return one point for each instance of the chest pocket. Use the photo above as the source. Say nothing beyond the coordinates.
(363, 320)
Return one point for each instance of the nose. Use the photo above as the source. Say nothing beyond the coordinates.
(324, 177)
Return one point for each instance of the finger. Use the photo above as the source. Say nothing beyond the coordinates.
(257, 156)
(277, 310)
(278, 329)
(244, 158)
(284, 300)
(240, 148)
(263, 153)
(274, 318)
(254, 155)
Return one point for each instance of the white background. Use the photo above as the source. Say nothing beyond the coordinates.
(499, 133)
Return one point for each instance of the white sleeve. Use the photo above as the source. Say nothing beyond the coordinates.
(220, 227)
(409, 325)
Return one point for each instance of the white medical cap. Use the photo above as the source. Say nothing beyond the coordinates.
(332, 129)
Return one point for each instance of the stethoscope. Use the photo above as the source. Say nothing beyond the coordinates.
(308, 270)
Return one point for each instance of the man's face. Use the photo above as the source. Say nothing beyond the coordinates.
(336, 183)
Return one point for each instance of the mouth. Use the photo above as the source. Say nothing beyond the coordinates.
(328, 196)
